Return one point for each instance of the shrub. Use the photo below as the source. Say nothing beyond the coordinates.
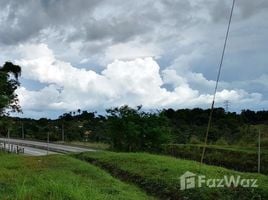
(194, 140)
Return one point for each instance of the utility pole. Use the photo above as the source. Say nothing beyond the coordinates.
(8, 137)
(259, 152)
(47, 142)
(62, 132)
(22, 130)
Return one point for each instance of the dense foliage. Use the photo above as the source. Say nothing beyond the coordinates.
(132, 129)
(8, 85)
(189, 125)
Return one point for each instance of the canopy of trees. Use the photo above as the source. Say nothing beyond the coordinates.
(131, 129)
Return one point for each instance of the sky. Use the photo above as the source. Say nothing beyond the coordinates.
(97, 54)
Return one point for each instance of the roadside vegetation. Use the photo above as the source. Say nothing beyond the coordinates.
(232, 157)
(91, 145)
(133, 129)
(160, 175)
(58, 177)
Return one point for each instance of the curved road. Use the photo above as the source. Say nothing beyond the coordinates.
(42, 148)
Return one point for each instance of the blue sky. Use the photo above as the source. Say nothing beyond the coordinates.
(93, 55)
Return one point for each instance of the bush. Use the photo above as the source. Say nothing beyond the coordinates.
(194, 140)
(130, 129)
(221, 141)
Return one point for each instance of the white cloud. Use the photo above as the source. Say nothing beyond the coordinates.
(130, 51)
(38, 100)
(133, 82)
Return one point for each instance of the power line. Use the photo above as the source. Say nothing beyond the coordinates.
(217, 81)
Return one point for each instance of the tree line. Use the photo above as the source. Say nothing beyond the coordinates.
(133, 129)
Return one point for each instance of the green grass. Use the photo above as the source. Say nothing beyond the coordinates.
(59, 177)
(160, 175)
(91, 145)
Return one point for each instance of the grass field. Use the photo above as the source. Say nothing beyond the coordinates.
(59, 177)
(160, 175)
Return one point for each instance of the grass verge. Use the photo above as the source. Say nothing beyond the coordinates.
(90, 145)
(160, 175)
(58, 177)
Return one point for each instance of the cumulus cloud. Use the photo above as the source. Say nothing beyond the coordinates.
(79, 49)
(131, 50)
(133, 82)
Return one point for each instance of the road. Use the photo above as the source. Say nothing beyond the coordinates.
(40, 148)
(36, 152)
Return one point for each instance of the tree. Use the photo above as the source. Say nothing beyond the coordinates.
(9, 74)
(133, 130)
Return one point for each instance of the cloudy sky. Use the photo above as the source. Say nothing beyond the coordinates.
(97, 54)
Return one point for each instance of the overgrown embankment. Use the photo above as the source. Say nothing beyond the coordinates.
(160, 175)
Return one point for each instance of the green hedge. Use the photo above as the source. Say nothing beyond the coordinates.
(240, 160)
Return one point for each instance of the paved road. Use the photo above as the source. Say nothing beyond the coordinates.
(28, 150)
(36, 152)
(41, 147)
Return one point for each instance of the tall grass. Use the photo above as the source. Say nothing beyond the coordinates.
(59, 177)
(160, 175)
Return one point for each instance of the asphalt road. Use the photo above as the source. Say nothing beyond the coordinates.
(36, 152)
(28, 150)
(41, 148)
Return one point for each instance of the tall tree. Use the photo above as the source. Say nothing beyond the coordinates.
(9, 74)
